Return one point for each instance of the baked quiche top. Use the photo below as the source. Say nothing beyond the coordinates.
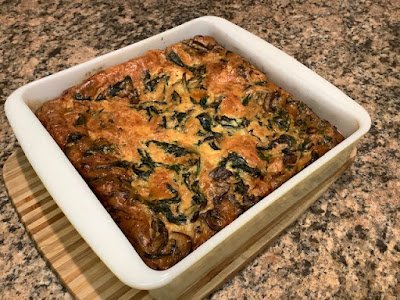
(179, 142)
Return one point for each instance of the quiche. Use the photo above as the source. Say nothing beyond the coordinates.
(177, 143)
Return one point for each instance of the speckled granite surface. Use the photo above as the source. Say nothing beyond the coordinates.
(347, 245)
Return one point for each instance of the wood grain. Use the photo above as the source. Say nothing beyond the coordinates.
(78, 267)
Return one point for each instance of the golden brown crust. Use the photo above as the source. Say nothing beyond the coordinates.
(177, 144)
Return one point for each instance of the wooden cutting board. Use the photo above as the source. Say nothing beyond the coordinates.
(78, 267)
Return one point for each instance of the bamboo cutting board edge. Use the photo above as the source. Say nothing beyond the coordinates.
(87, 277)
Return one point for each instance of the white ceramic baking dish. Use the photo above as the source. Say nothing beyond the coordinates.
(92, 221)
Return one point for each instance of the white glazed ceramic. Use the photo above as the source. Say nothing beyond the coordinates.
(92, 221)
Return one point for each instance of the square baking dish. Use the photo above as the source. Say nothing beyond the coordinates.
(92, 221)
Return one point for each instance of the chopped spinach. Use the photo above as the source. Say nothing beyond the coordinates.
(150, 108)
(146, 166)
(102, 149)
(196, 70)
(237, 123)
(205, 121)
(81, 120)
(240, 187)
(152, 111)
(252, 134)
(269, 125)
(150, 85)
(246, 99)
(146, 159)
(214, 146)
(200, 133)
(195, 83)
(209, 136)
(162, 103)
(74, 137)
(263, 154)
(184, 83)
(123, 85)
(241, 71)
(174, 58)
(173, 200)
(179, 116)
(121, 164)
(199, 198)
(203, 102)
(305, 145)
(193, 100)
(328, 140)
(176, 97)
(81, 97)
(281, 119)
(164, 122)
(173, 149)
(171, 188)
(216, 103)
(164, 208)
(97, 113)
(176, 168)
(238, 162)
(100, 97)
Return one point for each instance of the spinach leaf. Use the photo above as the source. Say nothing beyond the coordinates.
(150, 85)
(305, 145)
(164, 208)
(176, 97)
(251, 132)
(281, 119)
(100, 97)
(238, 162)
(174, 58)
(263, 154)
(146, 166)
(198, 198)
(214, 146)
(164, 122)
(176, 168)
(240, 187)
(150, 108)
(216, 103)
(102, 149)
(196, 70)
(74, 137)
(203, 102)
(173, 149)
(237, 123)
(123, 85)
(81, 120)
(81, 97)
(205, 121)
(121, 164)
(179, 116)
(246, 99)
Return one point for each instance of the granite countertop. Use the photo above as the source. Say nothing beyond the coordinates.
(347, 245)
